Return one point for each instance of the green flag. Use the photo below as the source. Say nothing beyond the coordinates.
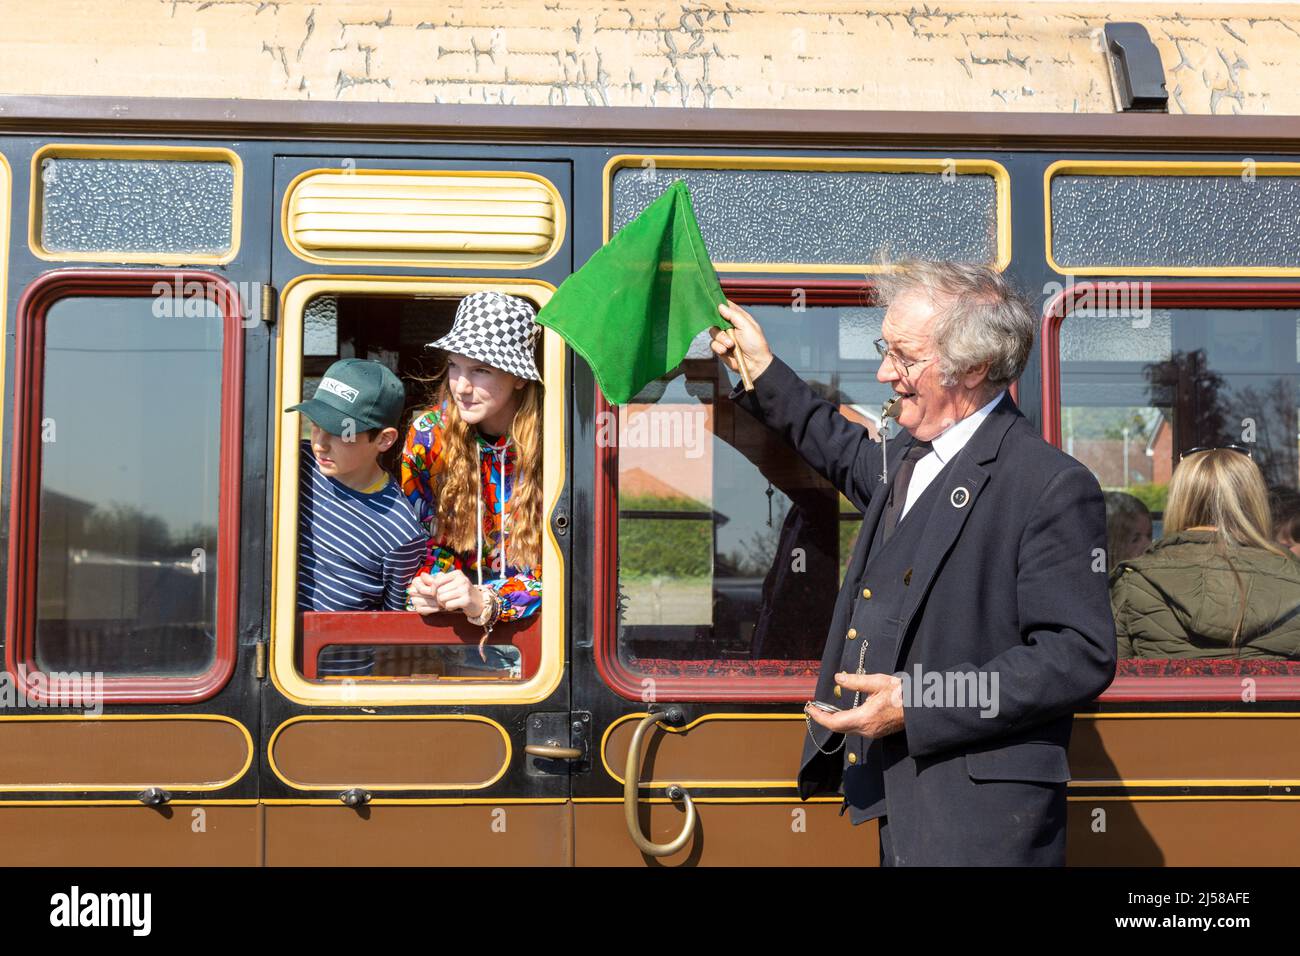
(635, 306)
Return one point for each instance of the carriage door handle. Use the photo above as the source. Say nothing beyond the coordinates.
(631, 781)
(554, 751)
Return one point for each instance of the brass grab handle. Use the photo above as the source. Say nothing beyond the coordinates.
(631, 779)
(554, 752)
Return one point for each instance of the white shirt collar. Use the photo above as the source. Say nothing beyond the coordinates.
(955, 438)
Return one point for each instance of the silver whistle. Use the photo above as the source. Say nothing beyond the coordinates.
(888, 413)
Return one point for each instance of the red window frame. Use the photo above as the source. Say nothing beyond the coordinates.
(628, 683)
(25, 472)
(1166, 295)
(321, 629)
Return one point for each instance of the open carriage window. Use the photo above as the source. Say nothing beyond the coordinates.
(126, 477)
(730, 551)
(1150, 371)
(376, 641)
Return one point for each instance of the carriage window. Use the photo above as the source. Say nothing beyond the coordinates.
(126, 519)
(391, 330)
(127, 574)
(428, 661)
(1203, 217)
(730, 549)
(761, 214)
(359, 642)
(137, 204)
(1140, 387)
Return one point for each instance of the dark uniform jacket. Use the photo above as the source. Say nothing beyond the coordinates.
(994, 587)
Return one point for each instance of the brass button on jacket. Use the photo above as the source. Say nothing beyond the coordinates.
(853, 632)
(866, 593)
(853, 758)
(837, 690)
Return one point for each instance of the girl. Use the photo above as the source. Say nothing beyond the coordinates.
(471, 468)
(1216, 585)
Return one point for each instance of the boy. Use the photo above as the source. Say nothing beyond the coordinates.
(358, 541)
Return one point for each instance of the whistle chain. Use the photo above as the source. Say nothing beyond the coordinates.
(857, 699)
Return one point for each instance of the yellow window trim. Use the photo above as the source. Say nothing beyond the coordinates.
(114, 788)
(284, 675)
(791, 801)
(710, 784)
(415, 802)
(1150, 168)
(387, 787)
(1074, 784)
(126, 803)
(505, 256)
(164, 153)
(984, 167)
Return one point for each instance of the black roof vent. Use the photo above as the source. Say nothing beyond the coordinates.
(1136, 70)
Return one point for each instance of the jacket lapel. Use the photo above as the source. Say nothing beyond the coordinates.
(853, 573)
(959, 488)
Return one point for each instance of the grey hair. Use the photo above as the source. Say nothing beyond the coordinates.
(981, 317)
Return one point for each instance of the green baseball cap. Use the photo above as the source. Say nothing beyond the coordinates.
(359, 391)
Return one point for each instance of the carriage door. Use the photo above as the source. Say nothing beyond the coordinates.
(128, 702)
(718, 553)
(441, 754)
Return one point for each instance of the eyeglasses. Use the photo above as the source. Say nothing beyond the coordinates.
(885, 352)
(1238, 448)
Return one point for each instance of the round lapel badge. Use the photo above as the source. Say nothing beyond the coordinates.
(960, 497)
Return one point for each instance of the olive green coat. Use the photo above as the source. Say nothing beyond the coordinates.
(1181, 599)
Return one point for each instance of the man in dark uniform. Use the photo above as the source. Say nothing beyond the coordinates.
(974, 617)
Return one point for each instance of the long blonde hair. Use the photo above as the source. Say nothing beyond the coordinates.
(459, 482)
(1224, 489)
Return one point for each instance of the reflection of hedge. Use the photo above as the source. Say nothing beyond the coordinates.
(1152, 495)
(661, 546)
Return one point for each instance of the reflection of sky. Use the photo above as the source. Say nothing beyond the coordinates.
(823, 345)
(135, 401)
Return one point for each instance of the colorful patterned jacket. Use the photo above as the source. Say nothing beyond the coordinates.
(422, 462)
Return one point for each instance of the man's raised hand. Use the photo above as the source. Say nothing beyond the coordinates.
(750, 337)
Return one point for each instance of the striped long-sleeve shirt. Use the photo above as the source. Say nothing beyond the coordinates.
(357, 551)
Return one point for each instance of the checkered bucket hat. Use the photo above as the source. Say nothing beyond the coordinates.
(498, 329)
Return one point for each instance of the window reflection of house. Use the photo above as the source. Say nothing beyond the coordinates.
(1142, 456)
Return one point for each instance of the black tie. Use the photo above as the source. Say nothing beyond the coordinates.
(898, 490)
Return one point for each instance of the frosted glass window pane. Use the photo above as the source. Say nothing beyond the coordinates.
(1089, 335)
(858, 330)
(798, 216)
(1171, 221)
(321, 326)
(133, 205)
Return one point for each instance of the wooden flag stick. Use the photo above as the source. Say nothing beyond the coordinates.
(744, 369)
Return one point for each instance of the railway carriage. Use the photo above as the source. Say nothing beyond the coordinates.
(174, 274)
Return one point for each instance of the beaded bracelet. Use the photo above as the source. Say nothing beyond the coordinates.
(497, 606)
(491, 609)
